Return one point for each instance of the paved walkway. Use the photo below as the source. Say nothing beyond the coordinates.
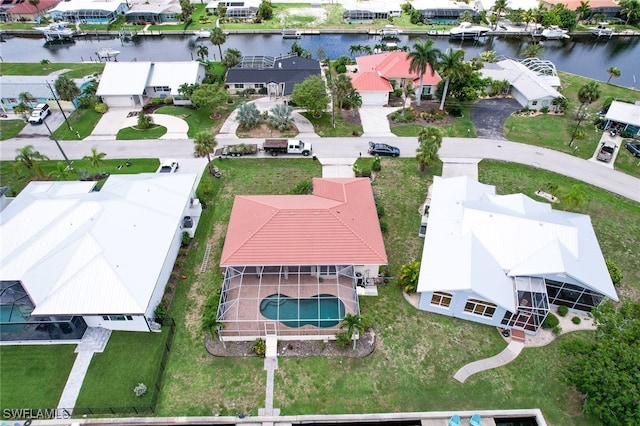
(509, 353)
(94, 340)
(270, 365)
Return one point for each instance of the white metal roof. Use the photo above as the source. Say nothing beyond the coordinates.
(479, 241)
(623, 112)
(174, 74)
(12, 85)
(124, 78)
(82, 252)
(108, 5)
(521, 78)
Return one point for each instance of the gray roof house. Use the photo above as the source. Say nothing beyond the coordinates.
(11, 86)
(531, 89)
(276, 75)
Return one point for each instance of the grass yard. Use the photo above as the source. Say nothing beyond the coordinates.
(10, 128)
(82, 121)
(130, 358)
(76, 70)
(323, 128)
(199, 119)
(133, 133)
(34, 376)
(459, 128)
(627, 163)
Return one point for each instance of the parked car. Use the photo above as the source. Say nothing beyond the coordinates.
(168, 166)
(39, 113)
(606, 151)
(383, 149)
(633, 147)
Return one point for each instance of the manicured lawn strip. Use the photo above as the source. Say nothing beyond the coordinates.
(323, 127)
(82, 121)
(34, 376)
(131, 133)
(16, 183)
(130, 358)
(616, 220)
(195, 382)
(199, 119)
(10, 128)
(77, 69)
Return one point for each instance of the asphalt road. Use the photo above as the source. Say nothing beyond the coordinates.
(452, 148)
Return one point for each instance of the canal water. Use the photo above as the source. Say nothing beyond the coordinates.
(587, 56)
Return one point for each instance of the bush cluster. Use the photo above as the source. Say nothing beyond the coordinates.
(551, 321)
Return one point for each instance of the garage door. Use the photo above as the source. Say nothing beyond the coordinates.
(118, 101)
(374, 98)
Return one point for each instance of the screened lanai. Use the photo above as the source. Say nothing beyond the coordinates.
(295, 302)
(532, 305)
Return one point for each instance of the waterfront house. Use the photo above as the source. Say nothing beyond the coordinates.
(505, 260)
(532, 90)
(606, 8)
(377, 75)
(443, 11)
(26, 11)
(89, 11)
(154, 11)
(11, 86)
(623, 116)
(239, 10)
(133, 84)
(274, 76)
(293, 264)
(73, 256)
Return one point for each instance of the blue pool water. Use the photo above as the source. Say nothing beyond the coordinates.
(322, 310)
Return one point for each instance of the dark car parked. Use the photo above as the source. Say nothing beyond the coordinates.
(383, 149)
(633, 147)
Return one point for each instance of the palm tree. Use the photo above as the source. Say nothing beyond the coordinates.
(426, 155)
(528, 16)
(574, 197)
(587, 94)
(499, 7)
(453, 68)
(26, 98)
(95, 159)
(559, 104)
(353, 322)
(27, 158)
(630, 8)
(66, 88)
(354, 49)
(62, 171)
(204, 144)
(532, 50)
(202, 52)
(583, 9)
(613, 72)
(408, 277)
(218, 37)
(423, 56)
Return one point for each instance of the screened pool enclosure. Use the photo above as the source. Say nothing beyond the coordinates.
(294, 302)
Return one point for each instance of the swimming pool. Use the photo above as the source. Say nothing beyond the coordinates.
(321, 310)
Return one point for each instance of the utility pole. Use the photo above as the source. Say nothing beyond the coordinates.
(59, 106)
(69, 165)
(580, 117)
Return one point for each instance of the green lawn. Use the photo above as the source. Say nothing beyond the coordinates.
(10, 128)
(130, 358)
(324, 128)
(77, 70)
(132, 133)
(627, 163)
(199, 119)
(34, 376)
(82, 121)
(461, 127)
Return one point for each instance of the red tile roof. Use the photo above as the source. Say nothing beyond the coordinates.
(394, 65)
(338, 224)
(370, 81)
(28, 8)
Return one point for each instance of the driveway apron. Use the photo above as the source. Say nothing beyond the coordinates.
(375, 122)
(489, 115)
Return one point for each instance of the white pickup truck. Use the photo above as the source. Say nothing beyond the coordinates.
(286, 146)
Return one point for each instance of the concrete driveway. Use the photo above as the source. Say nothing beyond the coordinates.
(54, 120)
(118, 118)
(489, 115)
(375, 122)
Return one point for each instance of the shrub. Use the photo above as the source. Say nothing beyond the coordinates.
(380, 210)
(576, 320)
(101, 108)
(304, 187)
(383, 226)
(210, 311)
(544, 109)
(563, 310)
(341, 68)
(160, 313)
(156, 101)
(550, 321)
(376, 165)
(455, 110)
(140, 390)
(186, 239)
(342, 339)
(259, 347)
(168, 101)
(614, 272)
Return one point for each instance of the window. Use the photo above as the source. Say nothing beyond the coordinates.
(238, 86)
(479, 307)
(259, 85)
(534, 103)
(441, 299)
(117, 318)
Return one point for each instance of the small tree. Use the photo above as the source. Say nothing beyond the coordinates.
(210, 96)
(613, 72)
(343, 86)
(27, 158)
(408, 277)
(312, 95)
(202, 52)
(205, 144)
(145, 121)
(248, 115)
(265, 10)
(353, 323)
(96, 159)
(232, 57)
(280, 117)
(66, 88)
(218, 37)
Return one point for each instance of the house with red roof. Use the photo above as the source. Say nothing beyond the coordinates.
(378, 75)
(293, 264)
(27, 11)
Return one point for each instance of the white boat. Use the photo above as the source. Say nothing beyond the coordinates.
(107, 53)
(554, 32)
(389, 31)
(56, 30)
(468, 31)
(291, 33)
(202, 33)
(601, 30)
